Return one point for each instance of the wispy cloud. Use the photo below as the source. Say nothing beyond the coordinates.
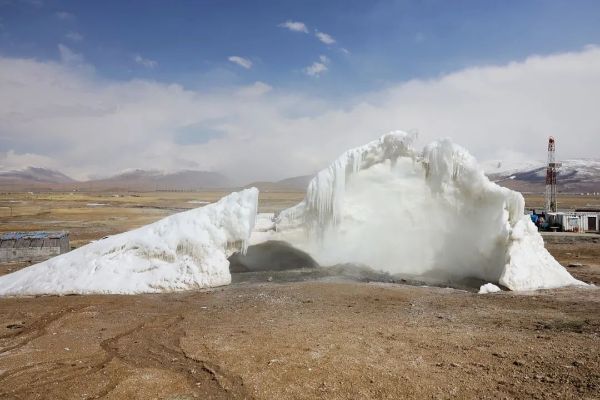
(324, 37)
(69, 57)
(74, 36)
(294, 26)
(145, 62)
(318, 67)
(64, 15)
(241, 61)
(256, 89)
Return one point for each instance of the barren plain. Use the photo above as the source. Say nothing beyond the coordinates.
(299, 334)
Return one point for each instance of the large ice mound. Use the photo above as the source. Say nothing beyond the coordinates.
(184, 251)
(430, 213)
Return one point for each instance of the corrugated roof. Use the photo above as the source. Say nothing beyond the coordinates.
(32, 235)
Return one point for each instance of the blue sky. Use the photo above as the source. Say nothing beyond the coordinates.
(388, 41)
(241, 86)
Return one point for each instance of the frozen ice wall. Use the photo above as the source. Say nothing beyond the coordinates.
(184, 251)
(431, 213)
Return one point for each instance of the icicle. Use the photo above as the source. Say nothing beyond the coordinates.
(322, 206)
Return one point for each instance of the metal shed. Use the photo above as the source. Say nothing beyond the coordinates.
(577, 221)
(25, 246)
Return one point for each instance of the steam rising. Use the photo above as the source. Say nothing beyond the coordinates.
(424, 213)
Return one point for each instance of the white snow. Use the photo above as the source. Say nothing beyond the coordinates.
(530, 265)
(506, 168)
(430, 212)
(489, 288)
(184, 251)
(322, 205)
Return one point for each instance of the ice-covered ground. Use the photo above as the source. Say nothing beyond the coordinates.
(431, 212)
(184, 251)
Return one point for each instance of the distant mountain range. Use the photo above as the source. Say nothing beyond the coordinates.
(31, 178)
(575, 176)
(142, 180)
(295, 184)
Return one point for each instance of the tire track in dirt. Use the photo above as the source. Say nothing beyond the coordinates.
(152, 343)
(156, 344)
(55, 372)
(37, 328)
(110, 348)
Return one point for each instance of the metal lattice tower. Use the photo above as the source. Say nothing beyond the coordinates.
(551, 172)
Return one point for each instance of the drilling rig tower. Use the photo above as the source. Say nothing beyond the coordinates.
(551, 172)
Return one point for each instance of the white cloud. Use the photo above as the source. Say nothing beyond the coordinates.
(81, 124)
(145, 62)
(74, 36)
(256, 89)
(318, 67)
(69, 57)
(294, 26)
(64, 15)
(324, 37)
(241, 61)
(14, 161)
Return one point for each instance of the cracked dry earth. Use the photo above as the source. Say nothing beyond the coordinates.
(303, 340)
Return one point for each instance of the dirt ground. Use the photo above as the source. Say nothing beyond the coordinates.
(274, 336)
(303, 340)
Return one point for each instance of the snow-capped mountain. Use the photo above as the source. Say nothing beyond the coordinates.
(32, 177)
(574, 176)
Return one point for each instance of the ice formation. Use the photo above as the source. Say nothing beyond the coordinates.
(183, 251)
(489, 288)
(428, 213)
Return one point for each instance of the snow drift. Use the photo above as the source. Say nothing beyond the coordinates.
(428, 213)
(184, 251)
